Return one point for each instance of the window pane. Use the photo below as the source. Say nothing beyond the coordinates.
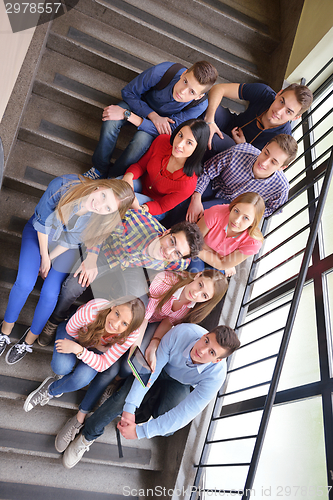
(327, 223)
(301, 365)
(328, 284)
(293, 453)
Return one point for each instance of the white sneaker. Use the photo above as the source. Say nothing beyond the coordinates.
(40, 396)
(75, 451)
(67, 434)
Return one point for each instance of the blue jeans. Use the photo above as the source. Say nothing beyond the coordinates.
(120, 367)
(27, 275)
(172, 393)
(107, 142)
(76, 373)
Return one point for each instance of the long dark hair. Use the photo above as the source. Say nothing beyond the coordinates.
(200, 131)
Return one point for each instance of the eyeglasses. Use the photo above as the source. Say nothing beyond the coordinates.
(176, 253)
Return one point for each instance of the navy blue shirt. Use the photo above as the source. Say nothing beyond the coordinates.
(142, 100)
(260, 97)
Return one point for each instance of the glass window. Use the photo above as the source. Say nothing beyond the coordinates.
(294, 464)
(301, 364)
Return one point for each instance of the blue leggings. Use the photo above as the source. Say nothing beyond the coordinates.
(27, 275)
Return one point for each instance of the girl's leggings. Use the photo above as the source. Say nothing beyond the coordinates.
(27, 275)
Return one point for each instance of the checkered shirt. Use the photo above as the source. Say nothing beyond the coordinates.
(231, 174)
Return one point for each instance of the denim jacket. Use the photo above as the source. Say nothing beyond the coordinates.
(45, 219)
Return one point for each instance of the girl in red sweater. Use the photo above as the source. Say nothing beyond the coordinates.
(167, 173)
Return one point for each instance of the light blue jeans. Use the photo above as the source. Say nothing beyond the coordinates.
(107, 142)
(76, 373)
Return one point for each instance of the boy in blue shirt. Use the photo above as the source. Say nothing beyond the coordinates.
(152, 110)
(267, 115)
(188, 356)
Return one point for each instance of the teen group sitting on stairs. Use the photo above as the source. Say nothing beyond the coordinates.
(168, 161)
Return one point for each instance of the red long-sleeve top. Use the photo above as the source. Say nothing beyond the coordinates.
(166, 189)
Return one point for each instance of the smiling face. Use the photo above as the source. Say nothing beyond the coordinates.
(208, 350)
(102, 202)
(285, 108)
(271, 159)
(187, 88)
(200, 290)
(118, 319)
(241, 217)
(169, 247)
(184, 143)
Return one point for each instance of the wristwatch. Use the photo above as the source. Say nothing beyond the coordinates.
(127, 114)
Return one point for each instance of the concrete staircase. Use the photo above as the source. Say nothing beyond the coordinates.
(90, 54)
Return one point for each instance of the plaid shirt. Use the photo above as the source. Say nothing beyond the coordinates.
(232, 174)
(127, 245)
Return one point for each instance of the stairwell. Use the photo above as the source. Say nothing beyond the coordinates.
(89, 54)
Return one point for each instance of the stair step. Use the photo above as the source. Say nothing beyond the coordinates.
(43, 478)
(31, 168)
(22, 205)
(43, 445)
(227, 27)
(15, 491)
(65, 131)
(76, 85)
(165, 39)
(34, 433)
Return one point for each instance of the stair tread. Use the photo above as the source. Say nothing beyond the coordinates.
(97, 36)
(52, 478)
(35, 167)
(174, 18)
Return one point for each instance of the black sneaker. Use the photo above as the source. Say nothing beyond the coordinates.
(92, 173)
(18, 351)
(4, 340)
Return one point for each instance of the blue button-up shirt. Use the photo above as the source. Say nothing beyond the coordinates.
(173, 354)
(45, 218)
(142, 100)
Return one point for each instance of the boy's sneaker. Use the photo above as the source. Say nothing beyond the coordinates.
(67, 434)
(4, 340)
(18, 351)
(47, 334)
(93, 174)
(40, 396)
(75, 451)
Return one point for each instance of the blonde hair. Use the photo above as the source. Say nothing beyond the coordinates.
(99, 226)
(201, 309)
(256, 200)
(93, 332)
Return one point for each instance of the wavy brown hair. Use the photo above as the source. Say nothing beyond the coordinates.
(99, 226)
(201, 309)
(93, 332)
(256, 200)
